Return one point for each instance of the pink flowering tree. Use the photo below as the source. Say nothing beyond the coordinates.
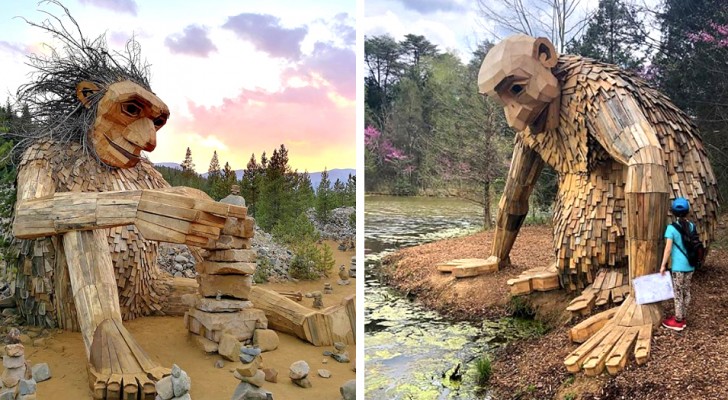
(383, 159)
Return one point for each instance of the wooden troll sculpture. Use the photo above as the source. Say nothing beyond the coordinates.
(621, 150)
(91, 203)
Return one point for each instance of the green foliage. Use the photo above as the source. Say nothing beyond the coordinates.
(176, 177)
(292, 231)
(187, 165)
(483, 370)
(518, 307)
(311, 261)
(570, 396)
(615, 35)
(262, 270)
(325, 200)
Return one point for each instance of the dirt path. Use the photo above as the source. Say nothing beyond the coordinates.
(167, 341)
(692, 364)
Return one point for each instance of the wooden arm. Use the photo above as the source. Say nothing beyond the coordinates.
(620, 126)
(526, 166)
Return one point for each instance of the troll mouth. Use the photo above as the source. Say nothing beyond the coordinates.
(121, 150)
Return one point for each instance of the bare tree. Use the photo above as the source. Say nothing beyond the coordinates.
(558, 20)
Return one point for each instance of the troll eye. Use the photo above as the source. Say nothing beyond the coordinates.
(516, 89)
(131, 108)
(160, 121)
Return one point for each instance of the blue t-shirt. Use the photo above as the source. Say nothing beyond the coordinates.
(679, 260)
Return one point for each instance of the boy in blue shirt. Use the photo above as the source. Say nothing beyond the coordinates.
(682, 271)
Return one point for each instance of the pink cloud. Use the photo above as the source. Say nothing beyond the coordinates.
(304, 119)
(266, 34)
(336, 65)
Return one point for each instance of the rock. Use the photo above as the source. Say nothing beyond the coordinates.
(224, 268)
(271, 374)
(324, 373)
(14, 336)
(303, 382)
(325, 361)
(186, 396)
(240, 324)
(299, 370)
(340, 346)
(327, 353)
(342, 358)
(223, 305)
(249, 369)
(26, 386)
(247, 354)
(261, 324)
(12, 376)
(164, 388)
(207, 345)
(180, 259)
(348, 390)
(13, 362)
(180, 381)
(229, 347)
(237, 286)
(258, 379)
(234, 198)
(7, 394)
(266, 339)
(219, 364)
(40, 342)
(41, 372)
(28, 397)
(15, 350)
(343, 282)
(246, 391)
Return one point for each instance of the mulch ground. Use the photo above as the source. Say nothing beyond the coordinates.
(692, 364)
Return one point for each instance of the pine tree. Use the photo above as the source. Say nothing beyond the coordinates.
(213, 172)
(350, 191)
(250, 184)
(339, 194)
(324, 198)
(614, 35)
(188, 167)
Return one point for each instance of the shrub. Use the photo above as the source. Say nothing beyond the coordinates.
(483, 370)
(262, 270)
(311, 261)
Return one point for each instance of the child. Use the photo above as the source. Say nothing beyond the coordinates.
(682, 272)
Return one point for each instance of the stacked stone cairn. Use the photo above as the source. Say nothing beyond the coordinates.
(318, 299)
(17, 380)
(251, 376)
(343, 276)
(225, 277)
(175, 386)
(299, 374)
(327, 288)
(339, 354)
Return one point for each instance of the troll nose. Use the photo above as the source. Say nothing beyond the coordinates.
(142, 134)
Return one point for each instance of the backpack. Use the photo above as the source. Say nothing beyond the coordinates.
(694, 249)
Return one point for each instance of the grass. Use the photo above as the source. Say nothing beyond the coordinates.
(570, 396)
(483, 370)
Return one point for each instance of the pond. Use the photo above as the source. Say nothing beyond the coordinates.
(411, 351)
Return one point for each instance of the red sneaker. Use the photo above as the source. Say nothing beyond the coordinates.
(672, 323)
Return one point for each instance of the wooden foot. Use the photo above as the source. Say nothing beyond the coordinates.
(467, 267)
(119, 368)
(631, 325)
(535, 279)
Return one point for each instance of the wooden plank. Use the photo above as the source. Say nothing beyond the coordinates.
(617, 358)
(594, 363)
(642, 346)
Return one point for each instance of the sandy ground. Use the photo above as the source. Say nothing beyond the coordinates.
(167, 341)
(692, 364)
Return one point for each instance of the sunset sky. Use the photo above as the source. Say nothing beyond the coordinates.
(239, 77)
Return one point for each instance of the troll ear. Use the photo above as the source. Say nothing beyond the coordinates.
(84, 90)
(544, 51)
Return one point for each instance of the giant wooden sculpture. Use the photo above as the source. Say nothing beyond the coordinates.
(93, 206)
(621, 150)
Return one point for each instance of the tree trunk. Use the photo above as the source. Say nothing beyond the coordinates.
(487, 218)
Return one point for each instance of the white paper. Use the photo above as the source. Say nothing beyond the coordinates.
(653, 288)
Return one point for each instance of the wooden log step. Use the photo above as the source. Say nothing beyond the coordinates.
(594, 363)
(588, 327)
(447, 266)
(520, 286)
(545, 281)
(574, 360)
(474, 268)
(642, 346)
(617, 358)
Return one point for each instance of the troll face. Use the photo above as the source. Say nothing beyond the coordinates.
(127, 119)
(517, 73)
